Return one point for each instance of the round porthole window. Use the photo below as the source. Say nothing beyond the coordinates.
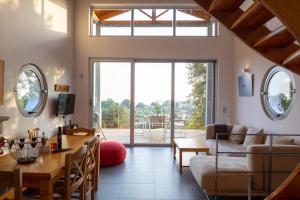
(31, 91)
(277, 94)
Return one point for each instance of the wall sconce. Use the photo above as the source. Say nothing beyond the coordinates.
(246, 69)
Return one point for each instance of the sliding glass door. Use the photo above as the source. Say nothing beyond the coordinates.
(150, 103)
(111, 101)
(194, 86)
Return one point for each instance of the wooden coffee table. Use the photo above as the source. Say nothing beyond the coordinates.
(189, 145)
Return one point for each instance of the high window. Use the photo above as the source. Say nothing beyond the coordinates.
(152, 22)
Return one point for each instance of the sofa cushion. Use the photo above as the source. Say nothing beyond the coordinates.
(203, 169)
(279, 140)
(259, 160)
(224, 146)
(256, 137)
(238, 129)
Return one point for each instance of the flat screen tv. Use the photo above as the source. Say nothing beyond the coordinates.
(66, 104)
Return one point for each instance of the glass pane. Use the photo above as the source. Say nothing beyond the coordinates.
(279, 92)
(190, 99)
(112, 22)
(153, 22)
(28, 91)
(112, 100)
(194, 22)
(152, 103)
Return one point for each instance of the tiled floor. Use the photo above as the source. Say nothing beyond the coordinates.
(148, 173)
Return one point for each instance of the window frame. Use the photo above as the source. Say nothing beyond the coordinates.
(264, 93)
(43, 94)
(132, 8)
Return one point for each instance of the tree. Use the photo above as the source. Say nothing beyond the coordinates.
(197, 79)
(156, 108)
(126, 103)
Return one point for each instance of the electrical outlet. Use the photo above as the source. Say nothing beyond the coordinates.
(225, 110)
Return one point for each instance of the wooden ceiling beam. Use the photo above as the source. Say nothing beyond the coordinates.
(199, 13)
(103, 15)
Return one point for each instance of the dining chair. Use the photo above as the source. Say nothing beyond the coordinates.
(92, 168)
(81, 131)
(74, 175)
(12, 179)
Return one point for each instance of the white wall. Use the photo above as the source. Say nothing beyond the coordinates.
(249, 110)
(219, 48)
(39, 32)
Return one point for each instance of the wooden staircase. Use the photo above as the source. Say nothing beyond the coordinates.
(249, 19)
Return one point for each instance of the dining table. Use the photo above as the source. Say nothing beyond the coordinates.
(48, 168)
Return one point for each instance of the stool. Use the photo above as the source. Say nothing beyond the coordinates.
(111, 153)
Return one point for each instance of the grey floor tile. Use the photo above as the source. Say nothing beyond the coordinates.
(170, 192)
(109, 191)
(142, 178)
(137, 191)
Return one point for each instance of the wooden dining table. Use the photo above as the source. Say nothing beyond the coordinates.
(48, 168)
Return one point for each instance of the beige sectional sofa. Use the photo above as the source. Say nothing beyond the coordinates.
(244, 163)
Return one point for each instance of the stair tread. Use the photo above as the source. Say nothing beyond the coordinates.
(253, 17)
(293, 59)
(280, 37)
(224, 5)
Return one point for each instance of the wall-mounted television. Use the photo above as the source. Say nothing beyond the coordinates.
(65, 104)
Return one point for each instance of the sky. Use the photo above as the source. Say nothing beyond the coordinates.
(152, 81)
(153, 31)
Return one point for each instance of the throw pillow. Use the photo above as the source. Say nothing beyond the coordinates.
(279, 140)
(222, 128)
(241, 131)
(256, 137)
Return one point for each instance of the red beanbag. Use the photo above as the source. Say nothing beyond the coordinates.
(111, 153)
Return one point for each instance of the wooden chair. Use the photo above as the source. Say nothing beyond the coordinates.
(92, 167)
(78, 131)
(74, 175)
(12, 179)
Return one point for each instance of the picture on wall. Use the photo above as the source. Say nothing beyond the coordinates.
(245, 84)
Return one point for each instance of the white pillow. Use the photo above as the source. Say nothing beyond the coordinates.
(257, 138)
(279, 140)
(238, 129)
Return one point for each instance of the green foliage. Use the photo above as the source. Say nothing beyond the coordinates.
(197, 79)
(114, 115)
(284, 102)
(156, 108)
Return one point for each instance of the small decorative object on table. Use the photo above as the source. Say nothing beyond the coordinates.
(26, 150)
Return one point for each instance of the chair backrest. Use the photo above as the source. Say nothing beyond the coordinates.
(12, 179)
(92, 154)
(75, 166)
(90, 132)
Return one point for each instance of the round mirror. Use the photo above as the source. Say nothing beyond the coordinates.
(278, 93)
(31, 91)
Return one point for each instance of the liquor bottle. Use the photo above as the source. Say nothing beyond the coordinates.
(59, 139)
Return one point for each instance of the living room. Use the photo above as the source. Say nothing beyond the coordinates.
(66, 41)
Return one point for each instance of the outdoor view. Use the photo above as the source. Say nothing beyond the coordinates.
(153, 94)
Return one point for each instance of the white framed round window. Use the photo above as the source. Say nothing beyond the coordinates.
(31, 91)
(278, 93)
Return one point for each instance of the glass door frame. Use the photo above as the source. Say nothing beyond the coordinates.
(132, 92)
